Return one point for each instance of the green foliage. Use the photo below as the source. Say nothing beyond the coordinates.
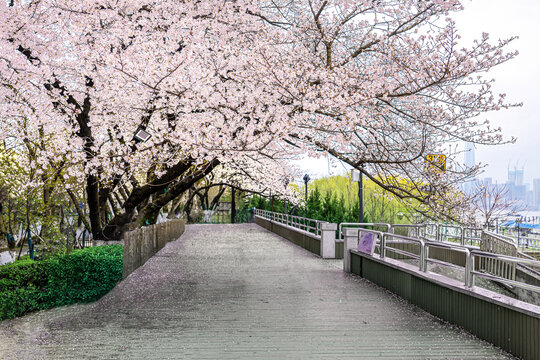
(80, 276)
(340, 201)
(331, 208)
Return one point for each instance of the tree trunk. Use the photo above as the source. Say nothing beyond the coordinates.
(233, 204)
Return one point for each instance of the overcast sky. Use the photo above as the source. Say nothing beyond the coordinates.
(518, 78)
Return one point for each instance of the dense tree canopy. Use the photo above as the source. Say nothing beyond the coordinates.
(241, 85)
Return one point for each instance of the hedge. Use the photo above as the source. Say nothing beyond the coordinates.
(80, 276)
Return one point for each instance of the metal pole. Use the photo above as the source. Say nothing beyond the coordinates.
(360, 199)
(305, 210)
(306, 180)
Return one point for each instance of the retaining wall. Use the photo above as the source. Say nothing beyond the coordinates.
(143, 243)
(508, 323)
(304, 239)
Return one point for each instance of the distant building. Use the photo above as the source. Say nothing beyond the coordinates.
(468, 187)
(536, 190)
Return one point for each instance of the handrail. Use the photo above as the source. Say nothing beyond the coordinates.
(406, 253)
(505, 239)
(458, 248)
(297, 222)
(503, 264)
(341, 225)
(416, 227)
(509, 259)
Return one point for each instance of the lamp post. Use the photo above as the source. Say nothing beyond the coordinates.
(141, 135)
(286, 183)
(306, 180)
(356, 176)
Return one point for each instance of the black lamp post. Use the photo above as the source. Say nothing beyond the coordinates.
(306, 180)
(356, 175)
(141, 135)
(286, 183)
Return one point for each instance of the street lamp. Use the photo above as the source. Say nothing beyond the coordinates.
(286, 183)
(306, 180)
(356, 176)
(141, 135)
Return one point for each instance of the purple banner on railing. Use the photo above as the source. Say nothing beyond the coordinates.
(366, 243)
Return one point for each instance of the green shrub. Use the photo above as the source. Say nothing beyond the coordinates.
(80, 276)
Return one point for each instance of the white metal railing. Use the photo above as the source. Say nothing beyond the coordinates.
(498, 267)
(413, 230)
(449, 247)
(306, 224)
(389, 238)
(465, 236)
(360, 225)
(525, 242)
(510, 261)
(495, 258)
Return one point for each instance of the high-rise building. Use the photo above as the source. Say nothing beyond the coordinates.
(536, 190)
(470, 162)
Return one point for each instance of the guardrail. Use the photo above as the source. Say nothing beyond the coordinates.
(466, 236)
(413, 230)
(316, 236)
(450, 247)
(360, 225)
(498, 267)
(306, 224)
(507, 270)
(388, 238)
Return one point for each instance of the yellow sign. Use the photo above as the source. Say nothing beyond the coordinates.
(436, 161)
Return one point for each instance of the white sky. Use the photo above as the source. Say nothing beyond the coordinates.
(519, 79)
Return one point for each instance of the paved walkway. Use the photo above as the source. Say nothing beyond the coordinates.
(238, 291)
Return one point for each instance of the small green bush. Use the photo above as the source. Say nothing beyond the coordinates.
(80, 276)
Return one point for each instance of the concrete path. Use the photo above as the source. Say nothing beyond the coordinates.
(239, 292)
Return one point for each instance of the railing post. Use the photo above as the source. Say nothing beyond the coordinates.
(424, 264)
(328, 240)
(462, 241)
(471, 269)
(382, 248)
(422, 255)
(350, 239)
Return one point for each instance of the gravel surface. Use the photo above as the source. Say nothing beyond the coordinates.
(239, 291)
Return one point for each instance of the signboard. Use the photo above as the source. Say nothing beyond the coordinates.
(436, 161)
(366, 243)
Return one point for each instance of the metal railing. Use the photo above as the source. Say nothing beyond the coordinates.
(511, 263)
(465, 236)
(495, 267)
(399, 239)
(306, 224)
(360, 226)
(449, 247)
(413, 230)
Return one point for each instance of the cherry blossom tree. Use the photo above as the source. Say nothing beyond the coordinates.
(381, 84)
(239, 84)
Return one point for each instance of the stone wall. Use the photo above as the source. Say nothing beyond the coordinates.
(143, 243)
